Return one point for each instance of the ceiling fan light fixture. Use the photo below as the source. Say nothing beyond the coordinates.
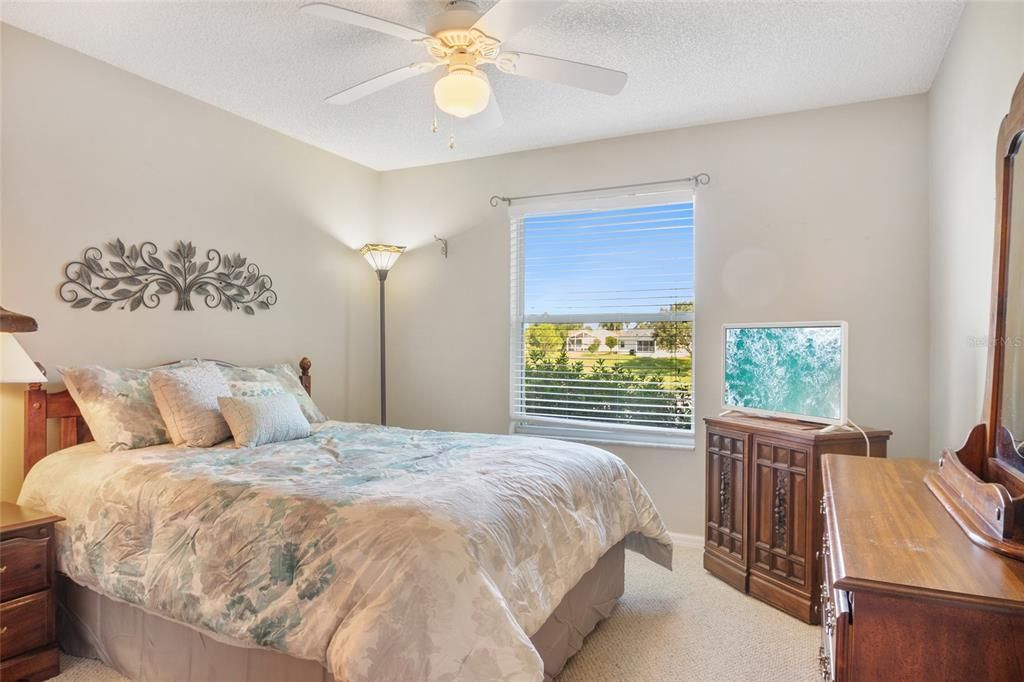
(463, 92)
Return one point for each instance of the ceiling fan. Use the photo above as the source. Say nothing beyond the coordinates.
(462, 39)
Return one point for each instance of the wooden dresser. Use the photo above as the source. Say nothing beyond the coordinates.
(28, 641)
(908, 596)
(763, 519)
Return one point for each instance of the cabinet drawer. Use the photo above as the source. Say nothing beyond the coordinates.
(26, 624)
(24, 566)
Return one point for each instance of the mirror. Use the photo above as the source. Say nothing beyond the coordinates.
(981, 485)
(1012, 344)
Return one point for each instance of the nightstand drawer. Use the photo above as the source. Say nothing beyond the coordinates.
(26, 624)
(23, 567)
(33, 667)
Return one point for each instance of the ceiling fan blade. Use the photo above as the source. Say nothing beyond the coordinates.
(508, 17)
(586, 76)
(347, 16)
(378, 83)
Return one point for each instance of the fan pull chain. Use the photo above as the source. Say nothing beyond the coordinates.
(451, 136)
(433, 125)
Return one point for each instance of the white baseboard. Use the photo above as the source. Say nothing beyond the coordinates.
(688, 541)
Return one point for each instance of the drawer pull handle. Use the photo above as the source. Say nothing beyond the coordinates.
(824, 664)
(2, 569)
(3, 630)
(828, 612)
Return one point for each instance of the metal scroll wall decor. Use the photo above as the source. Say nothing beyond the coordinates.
(134, 276)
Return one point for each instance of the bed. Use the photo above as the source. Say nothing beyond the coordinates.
(359, 553)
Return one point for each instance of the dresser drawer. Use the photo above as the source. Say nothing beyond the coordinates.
(24, 566)
(26, 624)
(835, 618)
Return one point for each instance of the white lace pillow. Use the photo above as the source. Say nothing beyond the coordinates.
(268, 419)
(187, 400)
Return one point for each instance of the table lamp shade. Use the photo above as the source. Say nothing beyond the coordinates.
(16, 367)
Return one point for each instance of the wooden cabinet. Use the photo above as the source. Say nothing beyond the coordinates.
(907, 596)
(28, 641)
(764, 524)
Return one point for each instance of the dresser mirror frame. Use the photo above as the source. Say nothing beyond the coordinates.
(999, 440)
(982, 484)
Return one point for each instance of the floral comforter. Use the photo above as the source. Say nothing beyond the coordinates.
(383, 553)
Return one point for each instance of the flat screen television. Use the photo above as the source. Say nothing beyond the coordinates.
(794, 369)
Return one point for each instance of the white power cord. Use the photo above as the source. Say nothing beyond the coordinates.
(866, 441)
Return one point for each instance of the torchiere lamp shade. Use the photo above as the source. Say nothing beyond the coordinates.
(381, 257)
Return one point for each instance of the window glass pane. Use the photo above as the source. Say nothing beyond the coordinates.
(636, 260)
(604, 303)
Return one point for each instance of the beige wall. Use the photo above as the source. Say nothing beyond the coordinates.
(91, 153)
(968, 99)
(813, 215)
(820, 214)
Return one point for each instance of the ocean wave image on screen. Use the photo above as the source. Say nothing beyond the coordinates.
(797, 370)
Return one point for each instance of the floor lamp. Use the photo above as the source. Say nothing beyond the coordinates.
(381, 258)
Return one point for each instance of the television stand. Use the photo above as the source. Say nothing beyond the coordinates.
(763, 519)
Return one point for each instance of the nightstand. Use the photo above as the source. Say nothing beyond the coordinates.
(28, 639)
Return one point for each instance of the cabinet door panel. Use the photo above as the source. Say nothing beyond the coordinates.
(726, 510)
(779, 512)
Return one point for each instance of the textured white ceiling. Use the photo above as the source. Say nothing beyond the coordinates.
(688, 63)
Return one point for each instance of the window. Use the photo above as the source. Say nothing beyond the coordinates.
(602, 319)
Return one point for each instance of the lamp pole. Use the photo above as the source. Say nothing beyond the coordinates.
(381, 257)
(383, 275)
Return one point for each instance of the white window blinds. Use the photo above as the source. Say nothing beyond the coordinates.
(602, 317)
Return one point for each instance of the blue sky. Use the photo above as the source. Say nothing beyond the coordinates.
(622, 261)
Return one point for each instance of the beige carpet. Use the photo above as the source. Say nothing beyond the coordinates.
(683, 625)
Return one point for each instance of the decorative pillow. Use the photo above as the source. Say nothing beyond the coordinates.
(283, 374)
(187, 400)
(256, 421)
(117, 405)
(254, 389)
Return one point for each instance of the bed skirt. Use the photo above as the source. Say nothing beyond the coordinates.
(142, 646)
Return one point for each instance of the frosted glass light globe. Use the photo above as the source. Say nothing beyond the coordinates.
(462, 93)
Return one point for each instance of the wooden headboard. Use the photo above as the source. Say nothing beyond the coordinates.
(42, 406)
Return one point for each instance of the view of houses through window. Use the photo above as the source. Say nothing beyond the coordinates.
(603, 302)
